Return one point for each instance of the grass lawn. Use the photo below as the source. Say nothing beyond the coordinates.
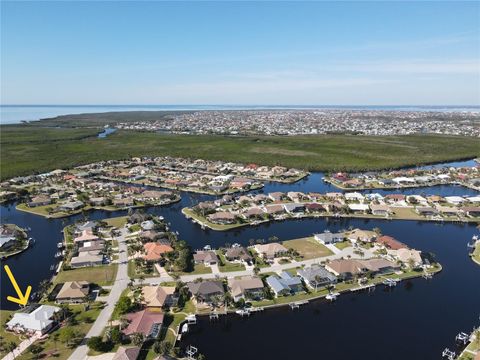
(228, 266)
(308, 248)
(117, 222)
(199, 269)
(101, 275)
(84, 321)
(48, 149)
(133, 272)
(209, 224)
(476, 253)
(7, 337)
(343, 244)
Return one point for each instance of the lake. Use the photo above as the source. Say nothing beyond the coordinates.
(414, 321)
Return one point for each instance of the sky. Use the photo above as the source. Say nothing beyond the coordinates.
(304, 53)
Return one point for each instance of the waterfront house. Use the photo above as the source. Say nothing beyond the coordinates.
(276, 196)
(380, 210)
(205, 257)
(96, 245)
(473, 211)
(390, 242)
(315, 207)
(426, 210)
(34, 320)
(238, 253)
(146, 322)
(408, 256)
(222, 217)
(246, 287)
(294, 208)
(154, 250)
(361, 235)
(71, 206)
(345, 268)
(316, 276)
(379, 266)
(358, 208)
(274, 209)
(271, 250)
(454, 200)
(147, 225)
(328, 237)
(253, 213)
(354, 196)
(85, 236)
(39, 200)
(159, 296)
(207, 291)
(394, 198)
(87, 258)
(73, 292)
(126, 353)
(284, 284)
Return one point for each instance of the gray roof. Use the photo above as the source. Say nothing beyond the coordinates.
(206, 288)
(309, 274)
(283, 282)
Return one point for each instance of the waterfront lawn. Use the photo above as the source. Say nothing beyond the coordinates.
(227, 266)
(101, 275)
(6, 336)
(476, 253)
(209, 224)
(343, 244)
(116, 222)
(83, 321)
(308, 248)
(406, 214)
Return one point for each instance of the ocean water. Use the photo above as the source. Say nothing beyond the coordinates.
(14, 114)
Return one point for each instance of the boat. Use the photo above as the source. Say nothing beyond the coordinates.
(60, 245)
(207, 247)
(332, 296)
(243, 312)
(184, 328)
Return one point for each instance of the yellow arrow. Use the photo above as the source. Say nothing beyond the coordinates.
(22, 299)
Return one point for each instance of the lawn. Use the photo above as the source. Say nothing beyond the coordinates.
(100, 275)
(199, 269)
(308, 248)
(116, 222)
(84, 321)
(227, 266)
(209, 224)
(6, 336)
(30, 149)
(476, 253)
(343, 244)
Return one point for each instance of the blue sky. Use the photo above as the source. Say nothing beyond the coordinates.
(240, 53)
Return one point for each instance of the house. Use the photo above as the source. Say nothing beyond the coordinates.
(345, 268)
(71, 206)
(271, 250)
(159, 296)
(394, 198)
(284, 284)
(126, 353)
(205, 257)
(206, 291)
(85, 236)
(379, 266)
(294, 208)
(40, 200)
(146, 322)
(471, 210)
(358, 208)
(155, 250)
(354, 196)
(147, 225)
(37, 320)
(316, 276)
(329, 238)
(380, 210)
(274, 209)
(391, 243)
(454, 200)
(238, 253)
(246, 287)
(361, 235)
(315, 207)
(408, 256)
(73, 292)
(253, 212)
(97, 245)
(276, 196)
(426, 210)
(87, 258)
(222, 217)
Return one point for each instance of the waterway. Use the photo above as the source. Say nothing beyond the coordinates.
(414, 321)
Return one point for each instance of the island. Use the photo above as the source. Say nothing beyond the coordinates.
(13, 240)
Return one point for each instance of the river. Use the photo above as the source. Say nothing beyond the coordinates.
(414, 321)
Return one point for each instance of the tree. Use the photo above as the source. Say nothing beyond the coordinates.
(68, 335)
(162, 347)
(96, 343)
(115, 335)
(35, 350)
(124, 304)
(137, 338)
(11, 346)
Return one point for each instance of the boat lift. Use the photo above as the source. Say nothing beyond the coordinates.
(191, 319)
(462, 337)
(191, 351)
(450, 355)
(390, 282)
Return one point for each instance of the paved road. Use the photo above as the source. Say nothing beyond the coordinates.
(120, 284)
(21, 348)
(274, 268)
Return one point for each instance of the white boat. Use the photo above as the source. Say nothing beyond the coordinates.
(332, 296)
(60, 245)
(207, 247)
(243, 312)
(184, 328)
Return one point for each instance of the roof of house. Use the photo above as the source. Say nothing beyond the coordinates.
(283, 282)
(87, 256)
(205, 256)
(270, 249)
(311, 273)
(36, 320)
(391, 242)
(142, 321)
(124, 353)
(239, 286)
(205, 288)
(155, 296)
(363, 235)
(74, 290)
(86, 235)
(155, 250)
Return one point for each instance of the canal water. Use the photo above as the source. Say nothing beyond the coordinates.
(414, 321)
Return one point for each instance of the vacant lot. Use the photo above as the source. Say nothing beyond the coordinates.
(100, 275)
(308, 248)
(28, 149)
